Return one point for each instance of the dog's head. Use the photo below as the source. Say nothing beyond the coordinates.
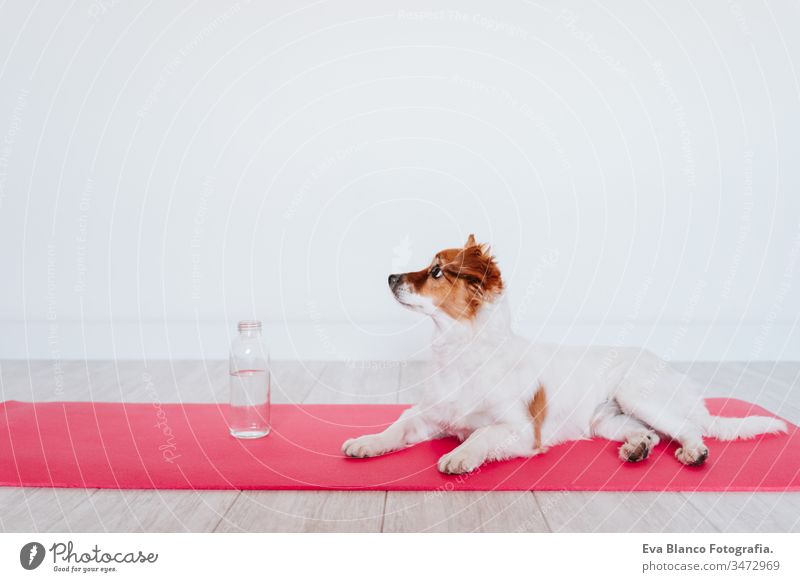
(457, 282)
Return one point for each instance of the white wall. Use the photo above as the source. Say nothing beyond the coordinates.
(169, 168)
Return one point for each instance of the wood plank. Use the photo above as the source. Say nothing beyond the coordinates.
(356, 383)
(580, 511)
(38, 509)
(768, 384)
(148, 510)
(463, 511)
(174, 381)
(294, 381)
(45, 381)
(776, 384)
(749, 512)
(305, 511)
(197, 381)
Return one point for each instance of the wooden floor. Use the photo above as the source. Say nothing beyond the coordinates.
(775, 386)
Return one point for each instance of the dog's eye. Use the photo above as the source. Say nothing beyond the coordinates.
(436, 272)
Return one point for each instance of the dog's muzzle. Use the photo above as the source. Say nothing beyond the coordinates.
(394, 281)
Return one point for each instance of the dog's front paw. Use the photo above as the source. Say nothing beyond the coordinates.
(459, 461)
(369, 445)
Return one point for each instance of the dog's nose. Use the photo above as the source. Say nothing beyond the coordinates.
(393, 280)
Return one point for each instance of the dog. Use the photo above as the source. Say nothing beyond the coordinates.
(504, 397)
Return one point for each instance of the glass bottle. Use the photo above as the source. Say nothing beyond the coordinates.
(249, 412)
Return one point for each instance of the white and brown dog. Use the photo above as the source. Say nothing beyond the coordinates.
(504, 396)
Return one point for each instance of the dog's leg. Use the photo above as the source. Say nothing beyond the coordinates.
(668, 401)
(676, 416)
(411, 428)
(687, 431)
(637, 438)
(489, 443)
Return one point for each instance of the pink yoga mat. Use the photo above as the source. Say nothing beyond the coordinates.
(174, 446)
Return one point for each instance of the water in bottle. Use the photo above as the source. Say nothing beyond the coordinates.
(249, 410)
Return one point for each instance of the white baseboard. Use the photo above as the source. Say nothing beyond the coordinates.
(350, 342)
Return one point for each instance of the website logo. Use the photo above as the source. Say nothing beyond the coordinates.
(31, 555)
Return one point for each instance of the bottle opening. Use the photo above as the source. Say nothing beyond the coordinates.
(249, 325)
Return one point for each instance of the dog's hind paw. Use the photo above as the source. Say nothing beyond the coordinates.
(638, 448)
(692, 456)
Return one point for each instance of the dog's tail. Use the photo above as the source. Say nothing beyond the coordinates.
(728, 429)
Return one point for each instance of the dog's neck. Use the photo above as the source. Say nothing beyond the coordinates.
(491, 326)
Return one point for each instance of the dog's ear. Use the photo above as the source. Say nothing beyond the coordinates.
(483, 247)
